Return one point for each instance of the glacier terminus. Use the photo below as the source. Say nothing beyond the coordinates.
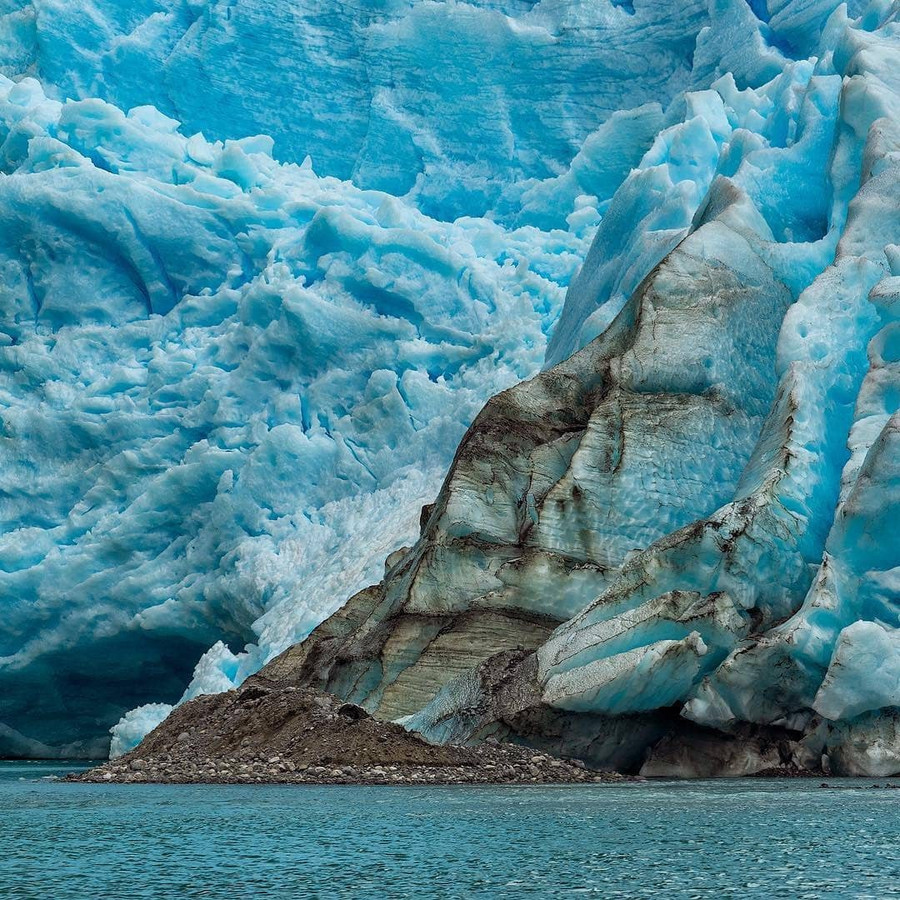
(513, 370)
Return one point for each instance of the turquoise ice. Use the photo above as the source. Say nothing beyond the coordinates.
(262, 264)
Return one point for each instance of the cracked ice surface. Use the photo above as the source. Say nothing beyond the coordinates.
(450, 101)
(696, 501)
(227, 387)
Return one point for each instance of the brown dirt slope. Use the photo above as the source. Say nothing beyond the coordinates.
(268, 732)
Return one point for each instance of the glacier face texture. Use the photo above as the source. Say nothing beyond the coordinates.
(229, 379)
(233, 368)
(674, 550)
(218, 374)
(449, 102)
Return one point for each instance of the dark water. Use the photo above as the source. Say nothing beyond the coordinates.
(662, 839)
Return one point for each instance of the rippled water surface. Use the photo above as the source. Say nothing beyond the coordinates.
(661, 839)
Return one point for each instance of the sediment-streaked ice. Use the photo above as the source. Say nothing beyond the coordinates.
(261, 265)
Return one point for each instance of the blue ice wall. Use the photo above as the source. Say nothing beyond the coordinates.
(262, 263)
(227, 385)
(452, 102)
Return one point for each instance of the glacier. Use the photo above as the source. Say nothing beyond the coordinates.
(672, 551)
(220, 366)
(256, 304)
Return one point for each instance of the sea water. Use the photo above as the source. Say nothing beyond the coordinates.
(749, 838)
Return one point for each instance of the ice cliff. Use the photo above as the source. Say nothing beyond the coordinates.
(673, 550)
(227, 384)
(229, 379)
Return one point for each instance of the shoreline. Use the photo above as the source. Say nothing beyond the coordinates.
(511, 767)
(537, 770)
